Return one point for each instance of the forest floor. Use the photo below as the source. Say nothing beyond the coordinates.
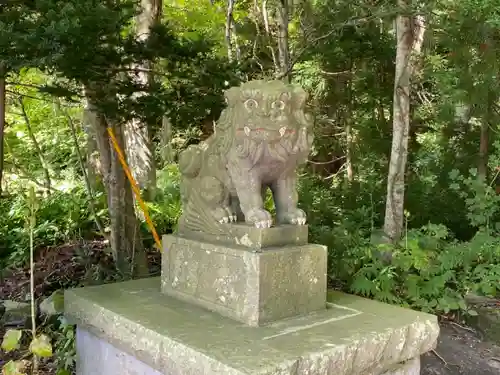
(460, 351)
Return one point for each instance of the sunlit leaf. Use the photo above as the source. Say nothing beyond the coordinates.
(11, 340)
(15, 368)
(41, 346)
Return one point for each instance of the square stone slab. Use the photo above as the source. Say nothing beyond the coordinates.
(253, 287)
(250, 237)
(354, 336)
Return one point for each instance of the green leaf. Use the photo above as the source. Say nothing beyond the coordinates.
(15, 368)
(472, 312)
(454, 173)
(41, 346)
(362, 285)
(462, 304)
(11, 340)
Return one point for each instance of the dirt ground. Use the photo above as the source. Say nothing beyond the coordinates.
(60, 268)
(460, 351)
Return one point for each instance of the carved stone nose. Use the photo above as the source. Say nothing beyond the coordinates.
(282, 131)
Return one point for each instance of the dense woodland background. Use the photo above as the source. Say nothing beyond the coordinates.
(402, 184)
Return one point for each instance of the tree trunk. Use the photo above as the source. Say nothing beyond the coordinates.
(348, 130)
(410, 33)
(167, 152)
(86, 180)
(265, 18)
(126, 245)
(128, 249)
(137, 135)
(36, 146)
(229, 29)
(484, 140)
(283, 45)
(2, 124)
(92, 160)
(237, 48)
(482, 170)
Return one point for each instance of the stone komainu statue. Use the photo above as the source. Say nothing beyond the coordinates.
(259, 140)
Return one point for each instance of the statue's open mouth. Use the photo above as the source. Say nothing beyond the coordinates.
(281, 131)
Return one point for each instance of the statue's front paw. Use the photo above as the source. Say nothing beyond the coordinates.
(231, 215)
(221, 215)
(296, 217)
(259, 217)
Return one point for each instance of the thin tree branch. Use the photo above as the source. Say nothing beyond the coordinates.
(84, 171)
(36, 145)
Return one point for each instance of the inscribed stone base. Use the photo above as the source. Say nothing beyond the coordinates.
(254, 287)
(131, 328)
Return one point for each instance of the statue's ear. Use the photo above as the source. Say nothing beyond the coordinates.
(299, 97)
(231, 95)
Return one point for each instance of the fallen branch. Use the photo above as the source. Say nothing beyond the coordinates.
(433, 351)
(463, 327)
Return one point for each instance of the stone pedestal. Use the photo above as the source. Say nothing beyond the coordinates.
(255, 285)
(133, 328)
(251, 302)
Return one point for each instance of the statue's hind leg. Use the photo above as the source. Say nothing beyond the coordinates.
(215, 199)
(235, 208)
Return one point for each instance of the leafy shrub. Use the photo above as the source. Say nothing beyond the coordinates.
(429, 270)
(60, 217)
(166, 208)
(428, 273)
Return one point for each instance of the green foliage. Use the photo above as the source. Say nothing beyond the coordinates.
(429, 269)
(64, 347)
(429, 274)
(344, 58)
(166, 208)
(39, 346)
(60, 217)
(15, 368)
(481, 200)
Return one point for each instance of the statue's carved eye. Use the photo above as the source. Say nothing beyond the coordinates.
(278, 104)
(251, 104)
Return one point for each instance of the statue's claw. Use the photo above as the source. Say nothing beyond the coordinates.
(259, 217)
(294, 217)
(263, 224)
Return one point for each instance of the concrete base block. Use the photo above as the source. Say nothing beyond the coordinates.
(96, 356)
(254, 287)
(131, 328)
